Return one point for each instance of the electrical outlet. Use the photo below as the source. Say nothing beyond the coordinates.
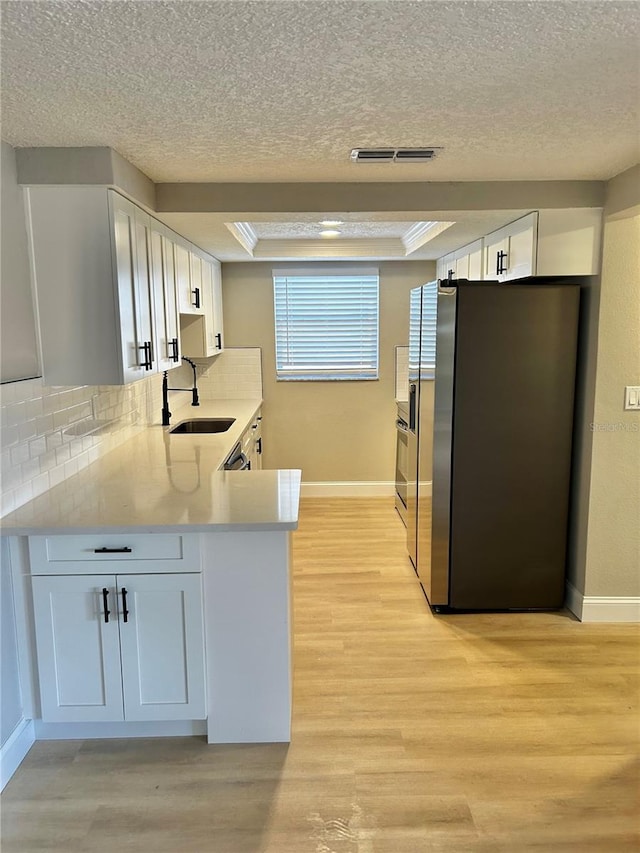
(632, 397)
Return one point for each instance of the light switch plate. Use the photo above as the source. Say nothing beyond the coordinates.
(632, 397)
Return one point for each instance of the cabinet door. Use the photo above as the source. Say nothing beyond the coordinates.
(495, 253)
(216, 285)
(171, 299)
(212, 294)
(183, 276)
(162, 644)
(143, 295)
(522, 248)
(197, 300)
(449, 264)
(78, 649)
(510, 252)
(475, 261)
(256, 465)
(125, 238)
(462, 266)
(164, 298)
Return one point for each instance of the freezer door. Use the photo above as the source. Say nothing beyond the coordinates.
(412, 434)
(435, 431)
(425, 423)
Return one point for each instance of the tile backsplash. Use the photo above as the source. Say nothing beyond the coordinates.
(50, 433)
(235, 374)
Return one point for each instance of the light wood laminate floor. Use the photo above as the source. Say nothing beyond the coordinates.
(412, 732)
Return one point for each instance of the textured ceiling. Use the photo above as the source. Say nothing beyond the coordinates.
(311, 230)
(281, 91)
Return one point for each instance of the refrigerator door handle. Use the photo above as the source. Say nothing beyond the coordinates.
(412, 406)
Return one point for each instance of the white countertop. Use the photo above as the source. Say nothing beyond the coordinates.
(158, 481)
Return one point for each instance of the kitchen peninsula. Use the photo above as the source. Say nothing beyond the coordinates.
(155, 590)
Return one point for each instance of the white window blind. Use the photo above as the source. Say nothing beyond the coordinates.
(326, 324)
(423, 315)
(429, 321)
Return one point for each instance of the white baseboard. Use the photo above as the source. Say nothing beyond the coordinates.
(77, 731)
(15, 749)
(364, 489)
(602, 608)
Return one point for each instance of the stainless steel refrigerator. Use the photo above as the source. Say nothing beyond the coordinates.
(492, 372)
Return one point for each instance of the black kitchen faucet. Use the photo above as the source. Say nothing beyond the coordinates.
(195, 401)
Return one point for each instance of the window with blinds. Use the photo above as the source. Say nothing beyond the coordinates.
(423, 315)
(326, 324)
(428, 335)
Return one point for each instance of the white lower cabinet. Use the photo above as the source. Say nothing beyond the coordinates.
(252, 443)
(78, 649)
(120, 647)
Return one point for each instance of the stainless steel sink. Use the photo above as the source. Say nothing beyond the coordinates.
(204, 425)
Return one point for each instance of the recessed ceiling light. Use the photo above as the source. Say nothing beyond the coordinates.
(331, 222)
(330, 232)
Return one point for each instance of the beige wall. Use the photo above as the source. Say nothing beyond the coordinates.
(613, 538)
(334, 431)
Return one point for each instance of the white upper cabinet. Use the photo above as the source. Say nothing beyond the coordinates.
(144, 296)
(510, 252)
(465, 262)
(202, 335)
(212, 286)
(542, 243)
(195, 263)
(163, 279)
(97, 296)
(186, 297)
(119, 295)
(132, 345)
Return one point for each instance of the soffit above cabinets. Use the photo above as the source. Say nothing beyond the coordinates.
(372, 236)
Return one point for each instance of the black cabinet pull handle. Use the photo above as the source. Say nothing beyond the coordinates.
(148, 355)
(125, 612)
(500, 258)
(218, 340)
(259, 445)
(174, 350)
(105, 603)
(124, 550)
(196, 301)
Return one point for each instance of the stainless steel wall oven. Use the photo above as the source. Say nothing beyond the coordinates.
(402, 426)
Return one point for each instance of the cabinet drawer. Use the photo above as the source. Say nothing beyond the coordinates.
(124, 552)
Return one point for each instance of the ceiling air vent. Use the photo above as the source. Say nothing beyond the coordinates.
(393, 155)
(373, 155)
